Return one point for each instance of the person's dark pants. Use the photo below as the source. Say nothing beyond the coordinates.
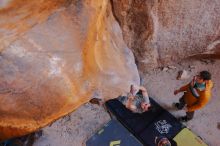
(180, 105)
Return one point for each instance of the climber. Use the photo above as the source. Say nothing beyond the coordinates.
(136, 100)
(196, 95)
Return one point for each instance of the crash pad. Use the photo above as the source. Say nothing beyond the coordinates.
(143, 126)
(187, 138)
(135, 122)
(113, 134)
(165, 125)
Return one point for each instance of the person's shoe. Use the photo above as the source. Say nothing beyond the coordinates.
(183, 119)
(176, 105)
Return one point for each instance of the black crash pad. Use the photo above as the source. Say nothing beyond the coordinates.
(164, 125)
(135, 122)
(143, 125)
(113, 134)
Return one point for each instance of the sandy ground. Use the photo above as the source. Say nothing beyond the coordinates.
(75, 129)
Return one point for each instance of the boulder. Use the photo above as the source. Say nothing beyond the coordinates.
(161, 32)
(52, 66)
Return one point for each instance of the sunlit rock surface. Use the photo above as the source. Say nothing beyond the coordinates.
(162, 31)
(56, 57)
(18, 16)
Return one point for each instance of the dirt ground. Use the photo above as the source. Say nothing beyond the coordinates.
(76, 128)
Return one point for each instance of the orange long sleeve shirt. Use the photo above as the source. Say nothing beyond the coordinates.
(194, 103)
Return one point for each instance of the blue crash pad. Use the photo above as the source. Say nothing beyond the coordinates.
(113, 134)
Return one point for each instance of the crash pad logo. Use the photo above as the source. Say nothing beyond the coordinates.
(115, 143)
(162, 126)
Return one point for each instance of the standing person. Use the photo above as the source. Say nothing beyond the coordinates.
(137, 103)
(196, 95)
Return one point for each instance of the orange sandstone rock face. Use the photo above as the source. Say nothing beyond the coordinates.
(18, 16)
(56, 55)
(54, 59)
(163, 31)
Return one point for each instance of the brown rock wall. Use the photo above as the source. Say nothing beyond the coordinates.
(172, 30)
(18, 16)
(55, 55)
(53, 67)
